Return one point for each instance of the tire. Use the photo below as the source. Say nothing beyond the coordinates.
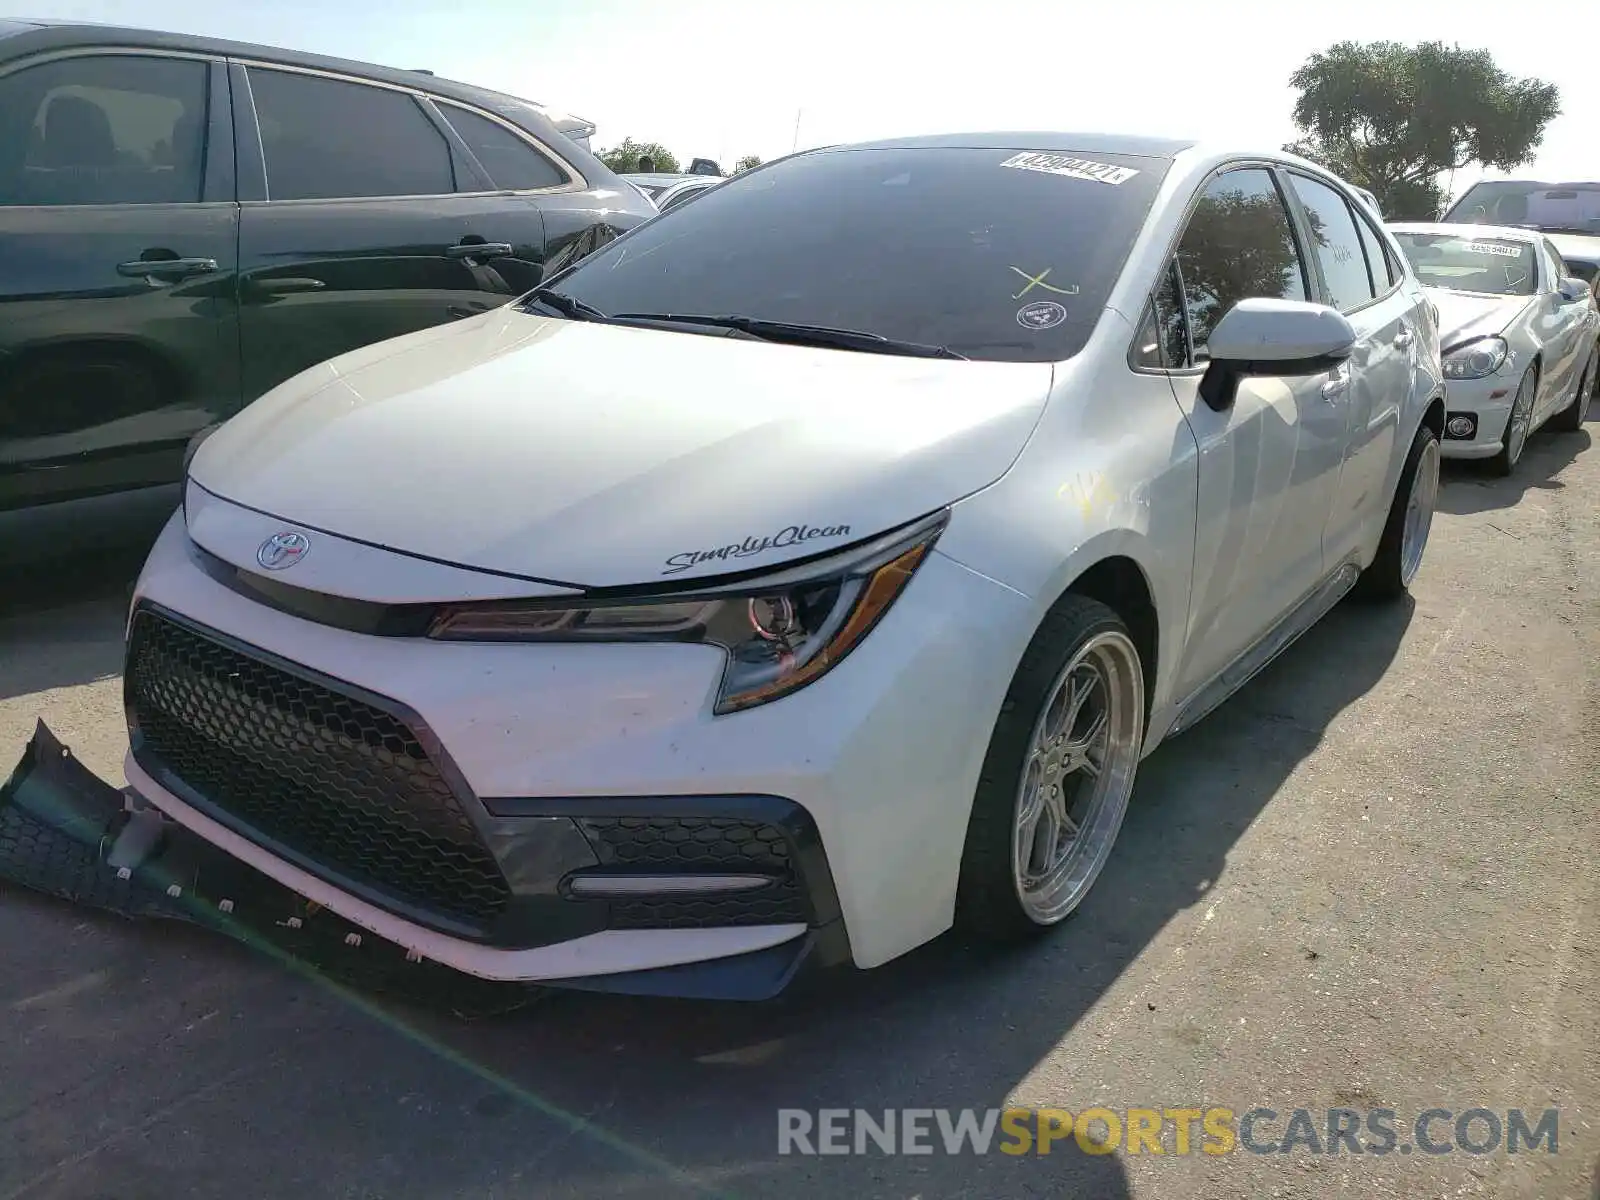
(1399, 549)
(1512, 446)
(1570, 419)
(1082, 652)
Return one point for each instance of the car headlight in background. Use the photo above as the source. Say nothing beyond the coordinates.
(1475, 359)
(779, 632)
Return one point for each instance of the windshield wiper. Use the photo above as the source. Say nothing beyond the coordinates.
(801, 334)
(567, 306)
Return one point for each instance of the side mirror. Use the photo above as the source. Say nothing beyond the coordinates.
(1572, 290)
(1272, 337)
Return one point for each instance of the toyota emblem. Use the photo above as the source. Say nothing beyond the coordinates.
(282, 550)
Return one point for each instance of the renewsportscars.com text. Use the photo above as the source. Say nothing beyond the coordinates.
(1172, 1131)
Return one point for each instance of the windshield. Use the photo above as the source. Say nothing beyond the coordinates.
(1567, 208)
(995, 254)
(1493, 266)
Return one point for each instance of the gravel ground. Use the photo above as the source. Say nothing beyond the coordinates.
(1368, 881)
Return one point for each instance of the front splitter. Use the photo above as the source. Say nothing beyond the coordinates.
(67, 833)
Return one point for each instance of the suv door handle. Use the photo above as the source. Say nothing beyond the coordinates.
(1336, 384)
(1404, 338)
(483, 250)
(180, 268)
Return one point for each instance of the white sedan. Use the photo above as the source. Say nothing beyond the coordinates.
(1518, 334)
(805, 571)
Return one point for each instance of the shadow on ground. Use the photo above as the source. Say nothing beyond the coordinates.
(584, 1095)
(61, 621)
(1470, 488)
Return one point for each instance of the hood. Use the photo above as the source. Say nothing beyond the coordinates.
(596, 455)
(1464, 316)
(1576, 245)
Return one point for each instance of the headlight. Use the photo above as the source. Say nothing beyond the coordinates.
(1474, 360)
(779, 632)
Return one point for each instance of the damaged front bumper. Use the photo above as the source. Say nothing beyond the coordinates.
(68, 834)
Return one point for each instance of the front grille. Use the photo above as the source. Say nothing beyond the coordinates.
(700, 845)
(327, 780)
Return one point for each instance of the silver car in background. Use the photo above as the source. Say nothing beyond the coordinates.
(1517, 330)
(668, 190)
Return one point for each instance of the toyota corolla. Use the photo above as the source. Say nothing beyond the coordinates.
(803, 573)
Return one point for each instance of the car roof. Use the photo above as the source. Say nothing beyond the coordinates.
(1082, 143)
(48, 33)
(1541, 183)
(1513, 233)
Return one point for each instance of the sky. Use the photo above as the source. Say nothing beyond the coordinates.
(723, 78)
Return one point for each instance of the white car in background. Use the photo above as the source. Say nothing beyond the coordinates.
(765, 589)
(1517, 331)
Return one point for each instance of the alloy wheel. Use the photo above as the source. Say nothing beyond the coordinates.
(1421, 503)
(1077, 776)
(1521, 415)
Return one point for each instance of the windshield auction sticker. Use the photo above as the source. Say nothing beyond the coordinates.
(1499, 249)
(1073, 168)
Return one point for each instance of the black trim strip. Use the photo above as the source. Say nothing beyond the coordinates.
(370, 617)
(443, 562)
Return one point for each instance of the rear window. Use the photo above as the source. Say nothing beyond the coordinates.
(999, 254)
(1494, 266)
(1570, 209)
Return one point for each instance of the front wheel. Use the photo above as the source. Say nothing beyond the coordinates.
(1057, 776)
(1405, 533)
(1518, 422)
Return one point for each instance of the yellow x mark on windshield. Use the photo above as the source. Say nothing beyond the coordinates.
(1038, 281)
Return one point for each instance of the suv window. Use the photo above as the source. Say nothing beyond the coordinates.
(998, 254)
(511, 162)
(1239, 245)
(325, 138)
(1336, 243)
(104, 129)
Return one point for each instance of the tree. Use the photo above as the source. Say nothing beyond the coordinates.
(1394, 118)
(624, 159)
(745, 163)
(1249, 251)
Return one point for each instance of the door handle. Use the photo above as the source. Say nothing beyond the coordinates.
(146, 268)
(484, 250)
(1404, 338)
(1336, 384)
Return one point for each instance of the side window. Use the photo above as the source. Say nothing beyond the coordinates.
(1162, 342)
(1554, 263)
(103, 129)
(1379, 264)
(1239, 245)
(325, 138)
(1336, 243)
(510, 161)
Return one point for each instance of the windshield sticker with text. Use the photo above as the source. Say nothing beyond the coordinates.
(1499, 249)
(1041, 314)
(1073, 168)
(794, 535)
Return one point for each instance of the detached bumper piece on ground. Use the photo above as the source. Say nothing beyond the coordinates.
(68, 834)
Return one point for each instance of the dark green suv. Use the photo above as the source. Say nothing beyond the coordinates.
(185, 223)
